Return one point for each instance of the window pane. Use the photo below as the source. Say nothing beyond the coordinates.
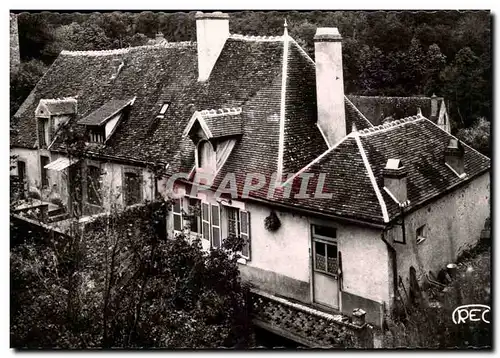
(94, 185)
(177, 206)
(233, 225)
(332, 263)
(320, 248)
(244, 222)
(206, 231)
(215, 237)
(215, 215)
(132, 189)
(325, 231)
(245, 251)
(331, 251)
(177, 223)
(204, 212)
(320, 263)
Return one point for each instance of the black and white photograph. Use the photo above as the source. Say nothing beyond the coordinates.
(221, 179)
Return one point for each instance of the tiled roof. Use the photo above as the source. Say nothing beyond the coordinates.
(105, 112)
(416, 141)
(420, 145)
(225, 122)
(377, 108)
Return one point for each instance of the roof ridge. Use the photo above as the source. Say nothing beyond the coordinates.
(303, 52)
(220, 112)
(124, 50)
(372, 178)
(58, 100)
(390, 125)
(255, 38)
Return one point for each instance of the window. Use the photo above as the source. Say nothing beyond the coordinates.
(420, 234)
(43, 132)
(96, 135)
(325, 249)
(94, 185)
(233, 221)
(177, 212)
(164, 108)
(21, 175)
(132, 188)
(45, 178)
(194, 214)
(238, 224)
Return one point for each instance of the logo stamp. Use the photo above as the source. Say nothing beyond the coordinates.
(471, 313)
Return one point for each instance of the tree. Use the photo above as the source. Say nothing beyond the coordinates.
(477, 136)
(23, 82)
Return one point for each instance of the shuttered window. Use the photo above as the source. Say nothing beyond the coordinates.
(245, 233)
(132, 186)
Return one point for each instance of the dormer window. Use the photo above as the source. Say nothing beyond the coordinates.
(102, 123)
(51, 114)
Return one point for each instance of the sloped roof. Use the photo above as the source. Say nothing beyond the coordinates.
(60, 106)
(378, 108)
(105, 112)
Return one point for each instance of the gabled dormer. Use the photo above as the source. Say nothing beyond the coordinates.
(214, 134)
(51, 115)
(102, 123)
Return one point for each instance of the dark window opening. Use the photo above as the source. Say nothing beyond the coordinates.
(233, 221)
(45, 178)
(43, 132)
(94, 185)
(133, 187)
(325, 257)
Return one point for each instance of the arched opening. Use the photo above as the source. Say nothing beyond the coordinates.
(206, 156)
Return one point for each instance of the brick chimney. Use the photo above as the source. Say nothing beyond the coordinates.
(212, 31)
(330, 83)
(395, 180)
(454, 156)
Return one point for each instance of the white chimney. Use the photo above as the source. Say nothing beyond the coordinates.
(330, 83)
(212, 31)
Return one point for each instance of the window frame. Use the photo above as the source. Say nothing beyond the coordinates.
(198, 218)
(97, 132)
(125, 191)
(164, 108)
(215, 226)
(44, 175)
(326, 241)
(99, 189)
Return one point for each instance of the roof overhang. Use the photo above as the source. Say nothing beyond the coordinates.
(60, 164)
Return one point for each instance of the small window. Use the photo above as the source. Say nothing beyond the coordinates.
(132, 188)
(164, 108)
(94, 185)
(177, 212)
(44, 176)
(420, 234)
(206, 156)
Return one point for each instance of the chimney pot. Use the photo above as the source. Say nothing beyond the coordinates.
(395, 179)
(454, 156)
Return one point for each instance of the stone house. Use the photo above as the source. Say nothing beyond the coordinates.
(258, 115)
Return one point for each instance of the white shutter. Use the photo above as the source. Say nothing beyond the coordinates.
(215, 223)
(205, 221)
(245, 233)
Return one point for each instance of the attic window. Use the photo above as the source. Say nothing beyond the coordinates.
(96, 135)
(393, 164)
(164, 108)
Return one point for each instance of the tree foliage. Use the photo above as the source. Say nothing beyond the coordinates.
(122, 283)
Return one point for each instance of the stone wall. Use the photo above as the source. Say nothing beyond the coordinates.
(15, 59)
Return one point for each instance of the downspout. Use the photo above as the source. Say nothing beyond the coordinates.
(393, 257)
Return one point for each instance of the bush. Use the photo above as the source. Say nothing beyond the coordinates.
(477, 136)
